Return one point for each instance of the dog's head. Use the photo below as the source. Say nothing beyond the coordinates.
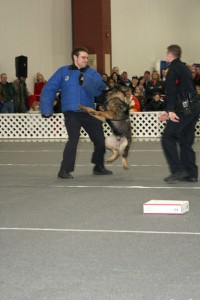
(116, 102)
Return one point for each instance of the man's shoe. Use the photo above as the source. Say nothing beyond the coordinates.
(101, 170)
(178, 176)
(190, 179)
(64, 174)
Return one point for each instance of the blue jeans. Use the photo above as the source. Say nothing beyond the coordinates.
(7, 108)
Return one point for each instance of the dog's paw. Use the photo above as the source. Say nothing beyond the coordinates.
(124, 163)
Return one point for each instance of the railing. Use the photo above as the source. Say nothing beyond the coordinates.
(33, 126)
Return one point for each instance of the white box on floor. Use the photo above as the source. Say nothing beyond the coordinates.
(172, 207)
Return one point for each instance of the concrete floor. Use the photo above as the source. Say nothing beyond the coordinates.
(87, 238)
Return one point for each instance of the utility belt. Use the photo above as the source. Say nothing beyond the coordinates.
(184, 105)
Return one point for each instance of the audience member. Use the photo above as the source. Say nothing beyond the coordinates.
(38, 86)
(124, 81)
(156, 104)
(21, 103)
(197, 76)
(198, 89)
(132, 101)
(115, 77)
(115, 70)
(153, 86)
(111, 84)
(141, 83)
(164, 74)
(57, 104)
(139, 94)
(105, 78)
(35, 108)
(147, 77)
(8, 95)
(134, 83)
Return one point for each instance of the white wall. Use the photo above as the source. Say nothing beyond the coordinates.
(142, 29)
(39, 29)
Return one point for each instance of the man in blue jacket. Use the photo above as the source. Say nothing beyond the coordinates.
(79, 85)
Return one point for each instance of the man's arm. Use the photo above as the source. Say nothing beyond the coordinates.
(48, 93)
(171, 90)
(93, 83)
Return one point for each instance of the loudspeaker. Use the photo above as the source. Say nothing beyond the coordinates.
(21, 66)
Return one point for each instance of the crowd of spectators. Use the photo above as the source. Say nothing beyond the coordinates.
(15, 97)
(143, 93)
(148, 90)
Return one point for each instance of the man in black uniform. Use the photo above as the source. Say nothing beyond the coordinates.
(182, 112)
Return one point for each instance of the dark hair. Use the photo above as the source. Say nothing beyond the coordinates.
(175, 50)
(157, 94)
(77, 50)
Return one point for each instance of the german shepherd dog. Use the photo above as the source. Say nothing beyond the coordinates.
(115, 111)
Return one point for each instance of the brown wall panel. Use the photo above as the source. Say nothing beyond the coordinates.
(91, 21)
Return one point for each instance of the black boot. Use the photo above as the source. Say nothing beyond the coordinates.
(178, 176)
(101, 170)
(64, 174)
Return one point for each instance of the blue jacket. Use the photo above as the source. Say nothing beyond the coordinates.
(73, 90)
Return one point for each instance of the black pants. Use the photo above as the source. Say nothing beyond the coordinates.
(181, 134)
(73, 122)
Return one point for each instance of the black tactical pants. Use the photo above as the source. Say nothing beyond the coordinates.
(177, 141)
(73, 122)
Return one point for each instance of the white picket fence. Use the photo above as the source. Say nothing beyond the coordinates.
(33, 126)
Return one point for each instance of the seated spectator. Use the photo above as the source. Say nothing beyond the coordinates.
(115, 70)
(147, 77)
(38, 86)
(124, 81)
(139, 94)
(115, 77)
(8, 95)
(197, 75)
(35, 108)
(105, 78)
(134, 83)
(156, 104)
(131, 100)
(57, 104)
(198, 89)
(111, 83)
(154, 86)
(193, 75)
(21, 103)
(164, 74)
(141, 83)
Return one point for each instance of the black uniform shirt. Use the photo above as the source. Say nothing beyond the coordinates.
(178, 82)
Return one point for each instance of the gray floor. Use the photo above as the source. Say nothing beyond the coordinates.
(87, 238)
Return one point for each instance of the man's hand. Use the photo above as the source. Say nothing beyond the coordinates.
(173, 117)
(163, 117)
(46, 116)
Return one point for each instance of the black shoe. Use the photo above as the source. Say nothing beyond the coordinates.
(101, 170)
(178, 176)
(190, 179)
(64, 174)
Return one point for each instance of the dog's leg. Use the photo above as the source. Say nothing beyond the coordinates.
(123, 151)
(111, 144)
(113, 157)
(124, 163)
(122, 146)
